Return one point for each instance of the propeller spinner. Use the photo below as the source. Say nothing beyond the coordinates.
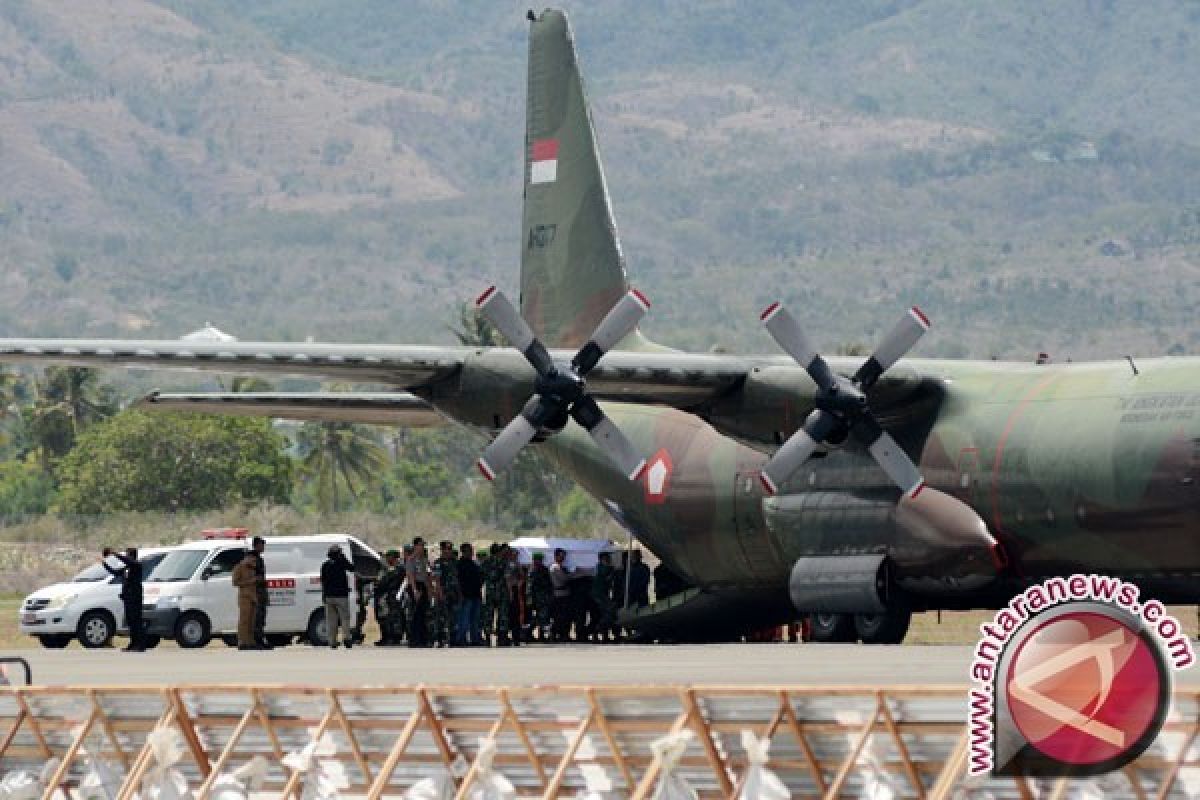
(560, 389)
(841, 403)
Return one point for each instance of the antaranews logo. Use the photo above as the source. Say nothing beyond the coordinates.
(1072, 678)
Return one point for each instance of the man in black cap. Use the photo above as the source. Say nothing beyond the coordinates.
(335, 592)
(130, 573)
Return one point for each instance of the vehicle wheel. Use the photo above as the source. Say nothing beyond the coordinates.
(317, 632)
(889, 627)
(96, 629)
(150, 642)
(279, 639)
(55, 641)
(229, 639)
(830, 628)
(193, 630)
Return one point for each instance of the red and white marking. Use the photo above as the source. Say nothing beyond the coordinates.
(768, 485)
(920, 317)
(658, 477)
(770, 311)
(483, 298)
(641, 299)
(486, 469)
(543, 161)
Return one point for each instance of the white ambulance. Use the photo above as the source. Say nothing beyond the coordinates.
(189, 597)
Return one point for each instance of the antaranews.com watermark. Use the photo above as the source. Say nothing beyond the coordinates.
(994, 664)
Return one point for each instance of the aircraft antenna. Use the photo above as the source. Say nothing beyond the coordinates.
(1132, 365)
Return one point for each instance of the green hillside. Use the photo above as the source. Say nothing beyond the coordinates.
(352, 171)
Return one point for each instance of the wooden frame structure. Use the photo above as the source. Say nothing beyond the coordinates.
(829, 742)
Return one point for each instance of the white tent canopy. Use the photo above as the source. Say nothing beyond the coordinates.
(581, 553)
(209, 333)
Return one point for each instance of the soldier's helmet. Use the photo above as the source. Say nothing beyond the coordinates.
(393, 553)
(539, 556)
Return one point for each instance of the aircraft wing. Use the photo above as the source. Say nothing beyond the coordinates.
(676, 379)
(372, 408)
(486, 378)
(402, 366)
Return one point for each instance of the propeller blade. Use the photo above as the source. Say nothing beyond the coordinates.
(796, 450)
(900, 340)
(609, 438)
(786, 331)
(504, 448)
(620, 321)
(495, 306)
(889, 455)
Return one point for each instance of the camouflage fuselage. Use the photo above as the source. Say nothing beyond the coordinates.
(1072, 467)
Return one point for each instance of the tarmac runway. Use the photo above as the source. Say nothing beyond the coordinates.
(796, 664)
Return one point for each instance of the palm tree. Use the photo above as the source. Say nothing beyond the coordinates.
(336, 453)
(78, 392)
(64, 402)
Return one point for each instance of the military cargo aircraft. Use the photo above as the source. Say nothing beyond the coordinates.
(778, 485)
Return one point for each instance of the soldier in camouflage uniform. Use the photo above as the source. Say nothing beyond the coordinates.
(491, 591)
(539, 594)
(446, 596)
(512, 599)
(364, 588)
(388, 612)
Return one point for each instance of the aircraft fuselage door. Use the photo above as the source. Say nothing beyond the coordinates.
(751, 528)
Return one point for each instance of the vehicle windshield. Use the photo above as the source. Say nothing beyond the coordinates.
(178, 566)
(93, 574)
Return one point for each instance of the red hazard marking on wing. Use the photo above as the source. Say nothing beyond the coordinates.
(281, 583)
(544, 150)
(657, 475)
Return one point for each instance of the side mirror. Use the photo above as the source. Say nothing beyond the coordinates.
(206, 574)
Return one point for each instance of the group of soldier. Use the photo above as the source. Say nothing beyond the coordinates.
(458, 600)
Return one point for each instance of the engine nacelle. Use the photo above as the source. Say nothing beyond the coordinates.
(842, 584)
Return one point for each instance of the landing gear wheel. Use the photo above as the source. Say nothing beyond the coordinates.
(150, 642)
(55, 641)
(830, 628)
(279, 639)
(193, 630)
(889, 627)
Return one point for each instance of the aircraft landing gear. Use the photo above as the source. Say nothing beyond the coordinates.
(830, 628)
(889, 627)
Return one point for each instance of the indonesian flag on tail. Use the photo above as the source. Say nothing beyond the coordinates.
(543, 161)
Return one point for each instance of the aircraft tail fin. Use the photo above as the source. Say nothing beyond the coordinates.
(572, 267)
